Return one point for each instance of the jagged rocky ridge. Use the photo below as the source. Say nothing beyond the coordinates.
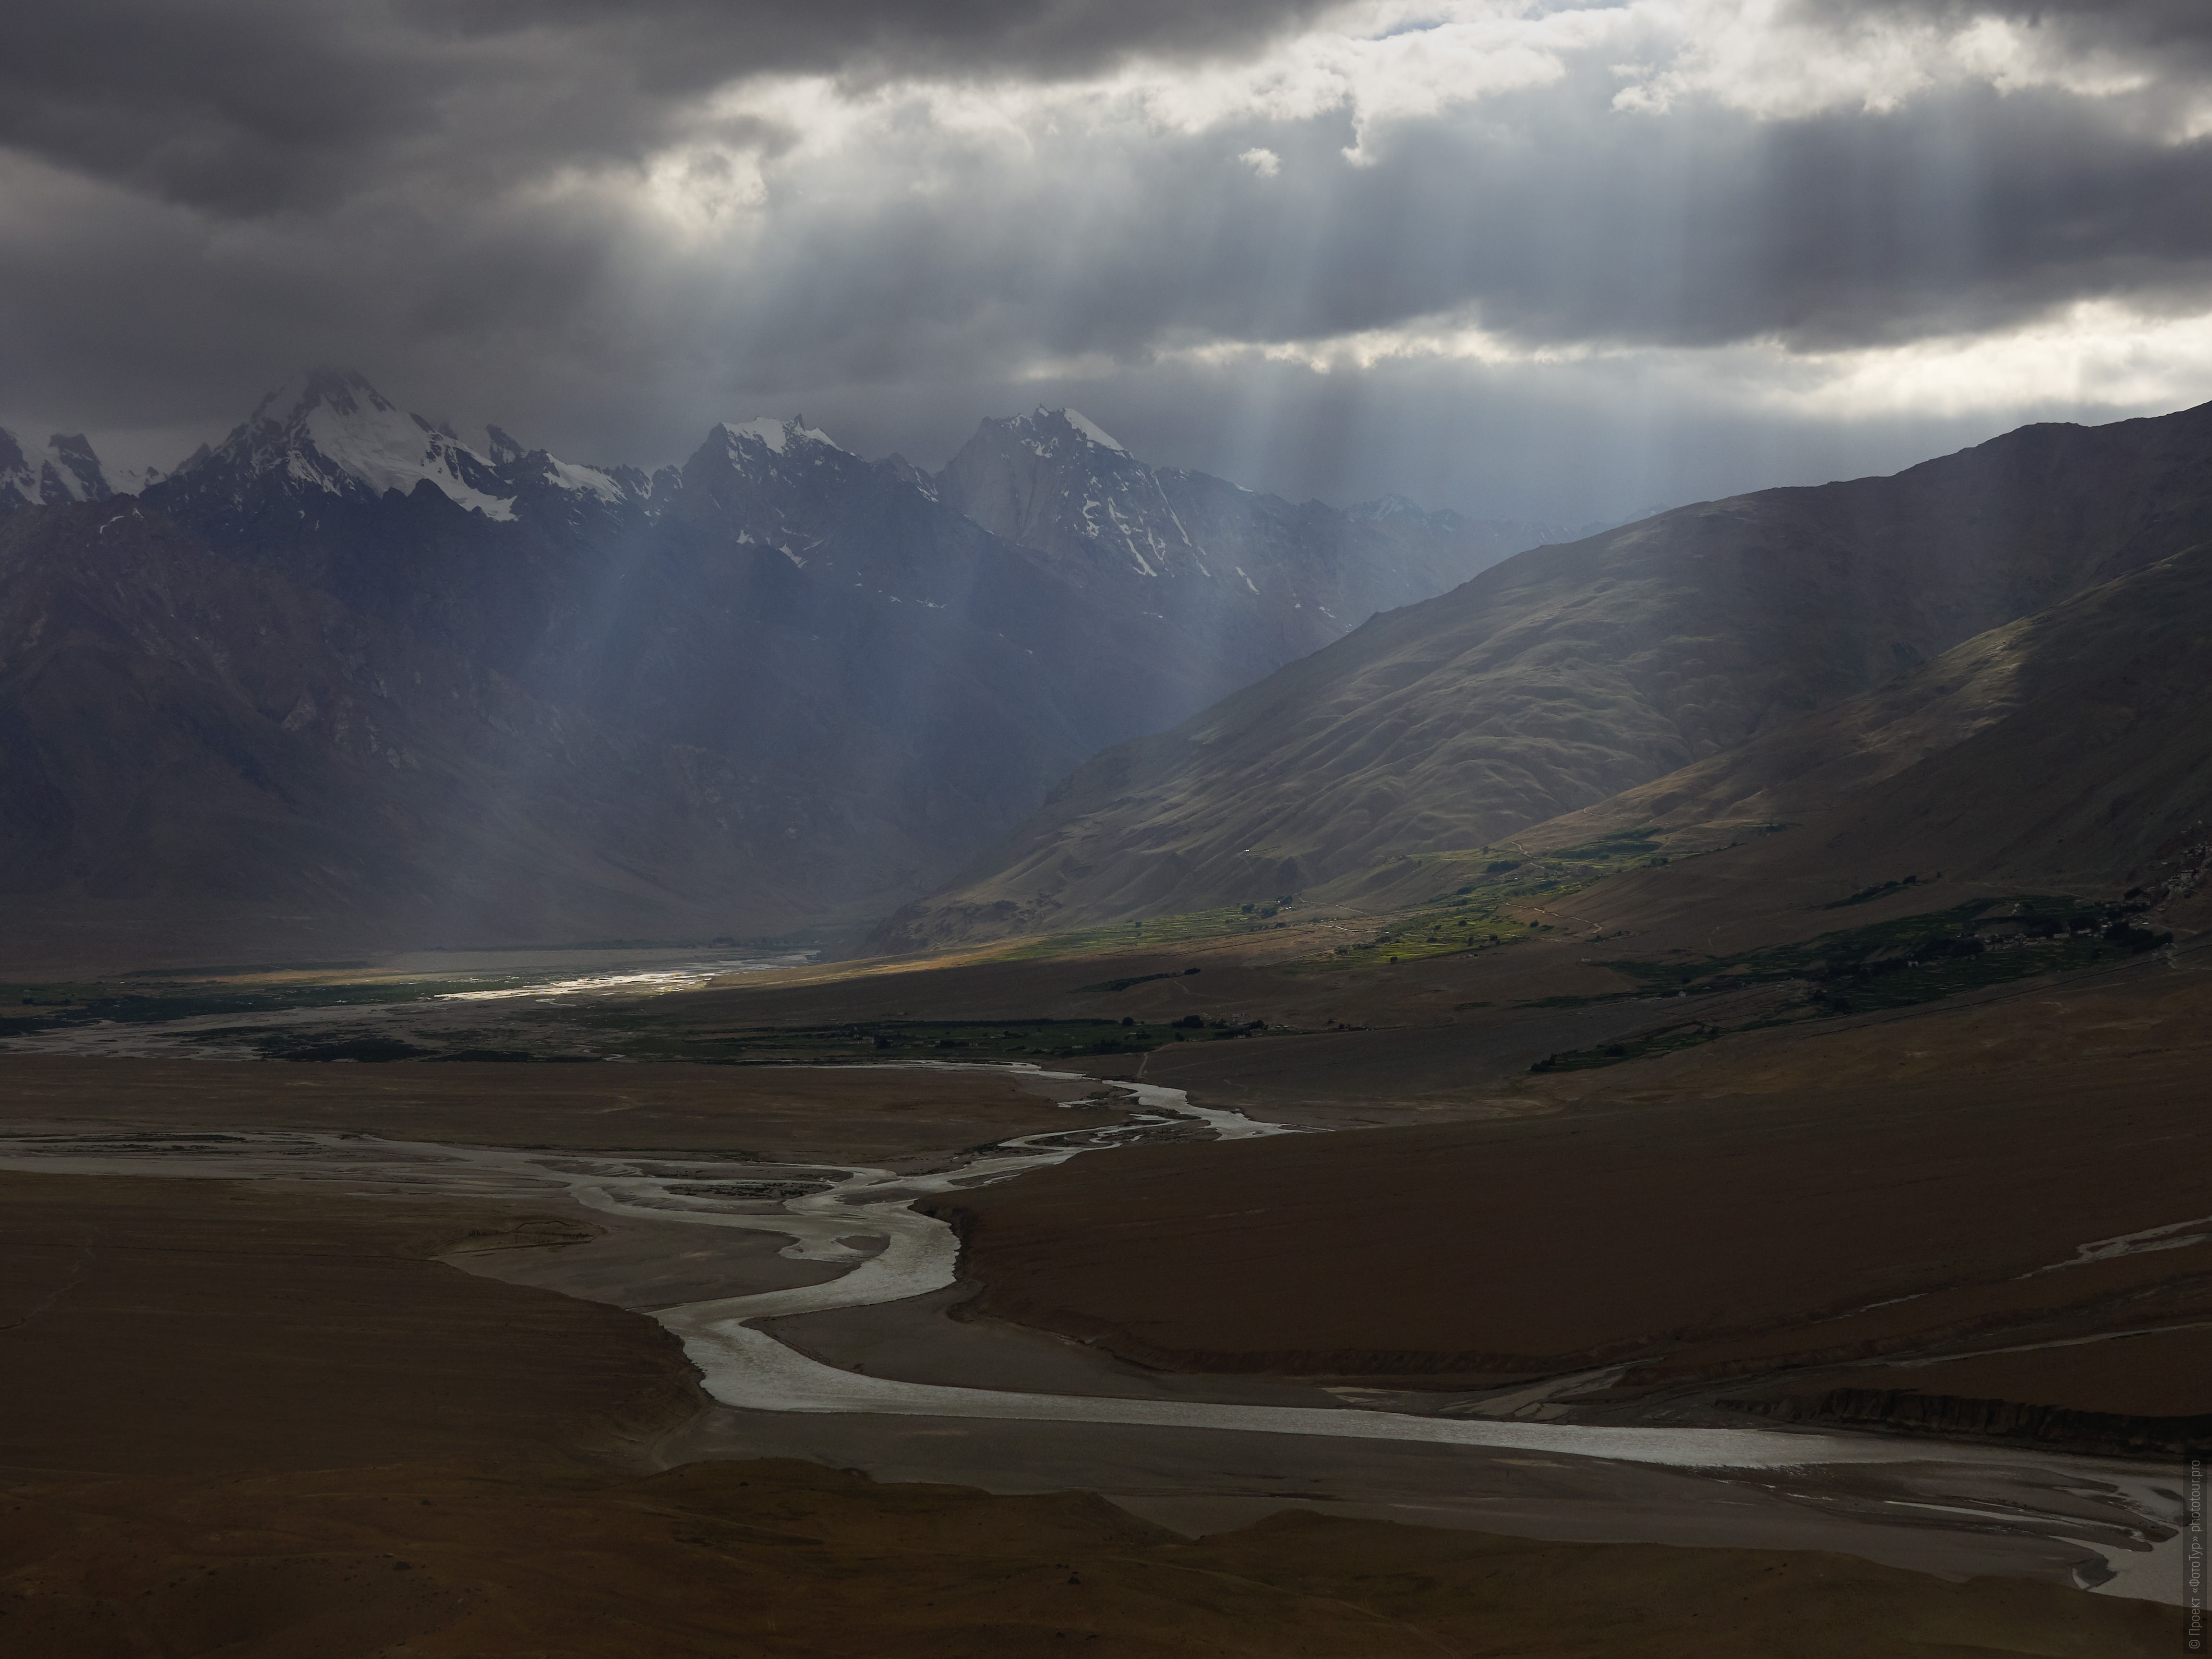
(1260, 577)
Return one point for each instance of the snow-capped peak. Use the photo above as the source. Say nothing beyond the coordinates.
(63, 469)
(329, 429)
(1088, 428)
(776, 434)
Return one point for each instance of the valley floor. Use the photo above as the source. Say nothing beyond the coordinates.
(1944, 1257)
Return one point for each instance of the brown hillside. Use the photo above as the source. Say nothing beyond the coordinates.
(1568, 674)
(2056, 753)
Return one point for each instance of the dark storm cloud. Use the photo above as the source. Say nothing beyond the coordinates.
(247, 107)
(1965, 211)
(689, 43)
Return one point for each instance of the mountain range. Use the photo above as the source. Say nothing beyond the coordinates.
(347, 680)
(1772, 657)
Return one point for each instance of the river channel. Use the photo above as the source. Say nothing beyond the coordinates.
(862, 1220)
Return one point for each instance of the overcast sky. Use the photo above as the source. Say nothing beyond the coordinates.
(1527, 259)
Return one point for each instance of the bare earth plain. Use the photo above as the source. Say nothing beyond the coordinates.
(1754, 1214)
(256, 1422)
(870, 1116)
(251, 1405)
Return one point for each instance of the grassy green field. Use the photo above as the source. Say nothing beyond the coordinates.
(1472, 915)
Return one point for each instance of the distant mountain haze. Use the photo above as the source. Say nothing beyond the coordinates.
(1259, 578)
(348, 679)
(1568, 674)
(195, 749)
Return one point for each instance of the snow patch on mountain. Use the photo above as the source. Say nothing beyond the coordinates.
(1089, 428)
(584, 480)
(330, 429)
(778, 435)
(63, 469)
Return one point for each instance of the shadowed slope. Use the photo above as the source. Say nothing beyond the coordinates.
(1568, 674)
(191, 749)
(2056, 752)
(2058, 747)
